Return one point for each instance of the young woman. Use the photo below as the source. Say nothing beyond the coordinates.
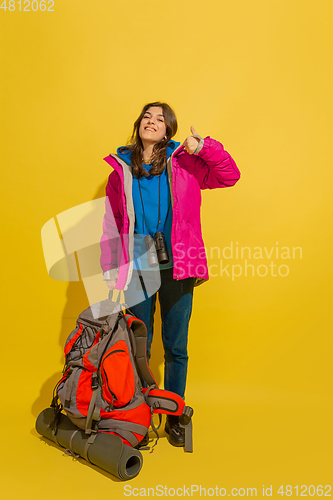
(155, 188)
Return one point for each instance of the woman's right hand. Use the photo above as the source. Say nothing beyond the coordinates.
(111, 284)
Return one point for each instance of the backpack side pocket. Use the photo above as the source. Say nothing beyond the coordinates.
(117, 375)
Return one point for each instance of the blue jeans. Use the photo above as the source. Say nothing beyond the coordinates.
(175, 297)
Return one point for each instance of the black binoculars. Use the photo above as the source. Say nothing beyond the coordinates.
(157, 252)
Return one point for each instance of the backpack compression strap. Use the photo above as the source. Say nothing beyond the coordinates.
(172, 404)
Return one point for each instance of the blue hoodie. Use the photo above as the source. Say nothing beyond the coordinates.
(150, 194)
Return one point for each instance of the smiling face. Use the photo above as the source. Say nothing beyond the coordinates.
(152, 127)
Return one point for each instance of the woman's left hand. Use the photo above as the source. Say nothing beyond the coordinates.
(191, 143)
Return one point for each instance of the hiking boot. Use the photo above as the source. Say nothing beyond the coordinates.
(176, 434)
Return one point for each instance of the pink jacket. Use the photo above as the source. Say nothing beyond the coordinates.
(211, 168)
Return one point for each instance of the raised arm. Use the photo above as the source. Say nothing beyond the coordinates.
(213, 165)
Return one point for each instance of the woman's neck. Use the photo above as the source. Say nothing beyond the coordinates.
(147, 151)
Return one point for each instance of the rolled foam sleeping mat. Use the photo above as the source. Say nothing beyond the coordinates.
(107, 451)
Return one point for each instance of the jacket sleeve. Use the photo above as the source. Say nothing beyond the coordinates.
(112, 222)
(214, 167)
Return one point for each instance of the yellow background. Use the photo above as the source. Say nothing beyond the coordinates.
(258, 77)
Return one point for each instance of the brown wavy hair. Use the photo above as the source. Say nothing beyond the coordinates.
(159, 150)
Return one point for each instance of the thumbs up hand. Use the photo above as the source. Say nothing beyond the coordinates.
(191, 143)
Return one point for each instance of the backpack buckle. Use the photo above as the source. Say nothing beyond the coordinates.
(185, 418)
(94, 382)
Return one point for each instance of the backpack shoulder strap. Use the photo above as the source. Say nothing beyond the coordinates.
(140, 336)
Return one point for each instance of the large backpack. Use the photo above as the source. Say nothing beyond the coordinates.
(107, 385)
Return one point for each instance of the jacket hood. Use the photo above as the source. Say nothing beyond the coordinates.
(126, 156)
